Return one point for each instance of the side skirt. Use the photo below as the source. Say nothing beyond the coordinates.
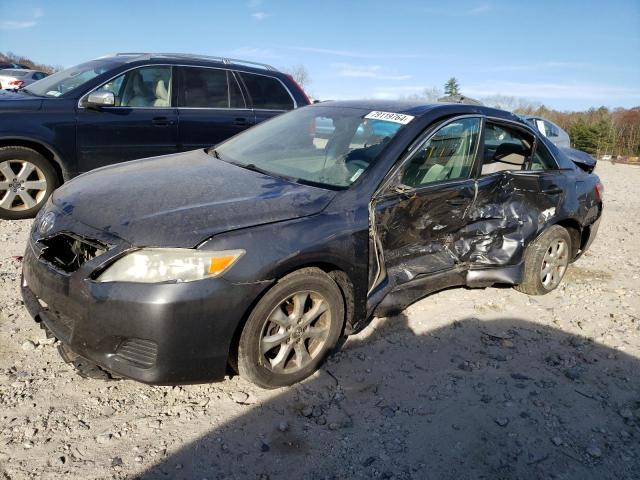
(402, 296)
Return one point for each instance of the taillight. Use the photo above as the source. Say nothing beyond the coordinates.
(599, 191)
(16, 83)
(297, 85)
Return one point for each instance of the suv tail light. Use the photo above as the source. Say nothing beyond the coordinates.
(299, 88)
(599, 191)
(16, 83)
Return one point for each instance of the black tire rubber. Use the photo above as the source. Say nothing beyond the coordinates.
(533, 257)
(248, 358)
(51, 177)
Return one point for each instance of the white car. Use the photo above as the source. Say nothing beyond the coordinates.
(550, 130)
(14, 78)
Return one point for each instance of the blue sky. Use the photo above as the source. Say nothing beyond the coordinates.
(565, 54)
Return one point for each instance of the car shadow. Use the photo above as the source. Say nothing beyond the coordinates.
(501, 398)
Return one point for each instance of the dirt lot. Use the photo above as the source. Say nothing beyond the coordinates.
(465, 384)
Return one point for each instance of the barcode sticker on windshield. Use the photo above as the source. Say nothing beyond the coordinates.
(390, 117)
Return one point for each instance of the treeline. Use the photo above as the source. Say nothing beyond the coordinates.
(598, 131)
(9, 57)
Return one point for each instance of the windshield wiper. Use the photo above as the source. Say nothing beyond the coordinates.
(26, 90)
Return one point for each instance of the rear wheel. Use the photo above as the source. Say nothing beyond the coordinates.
(27, 179)
(292, 328)
(545, 261)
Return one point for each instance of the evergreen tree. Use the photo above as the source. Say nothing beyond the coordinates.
(452, 87)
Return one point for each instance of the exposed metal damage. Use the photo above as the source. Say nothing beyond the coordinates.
(474, 235)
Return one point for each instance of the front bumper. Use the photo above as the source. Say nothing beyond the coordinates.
(171, 333)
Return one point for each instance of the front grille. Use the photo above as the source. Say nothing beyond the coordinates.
(138, 352)
(69, 252)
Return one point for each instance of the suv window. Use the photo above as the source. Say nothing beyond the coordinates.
(145, 87)
(209, 88)
(447, 155)
(505, 149)
(267, 93)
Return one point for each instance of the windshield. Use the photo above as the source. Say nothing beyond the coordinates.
(67, 80)
(330, 146)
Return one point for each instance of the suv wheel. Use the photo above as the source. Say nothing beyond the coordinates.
(26, 182)
(545, 261)
(291, 329)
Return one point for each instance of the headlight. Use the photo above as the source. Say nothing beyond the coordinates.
(154, 265)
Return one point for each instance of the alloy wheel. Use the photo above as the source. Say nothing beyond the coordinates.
(22, 185)
(554, 264)
(295, 332)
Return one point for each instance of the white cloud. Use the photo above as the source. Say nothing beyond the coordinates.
(22, 24)
(352, 53)
(260, 16)
(366, 71)
(17, 25)
(574, 91)
(253, 52)
(480, 9)
(541, 66)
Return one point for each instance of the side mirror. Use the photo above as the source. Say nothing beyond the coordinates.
(100, 99)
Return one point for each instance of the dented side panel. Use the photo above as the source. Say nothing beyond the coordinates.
(418, 231)
(471, 226)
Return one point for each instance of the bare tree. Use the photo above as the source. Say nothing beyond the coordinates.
(300, 74)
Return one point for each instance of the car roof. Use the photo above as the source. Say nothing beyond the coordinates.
(193, 59)
(419, 108)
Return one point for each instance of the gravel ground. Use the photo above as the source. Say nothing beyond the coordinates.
(464, 384)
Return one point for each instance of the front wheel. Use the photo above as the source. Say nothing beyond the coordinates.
(27, 179)
(291, 329)
(545, 261)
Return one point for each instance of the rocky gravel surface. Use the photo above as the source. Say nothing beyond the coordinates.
(486, 383)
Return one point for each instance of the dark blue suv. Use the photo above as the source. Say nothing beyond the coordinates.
(123, 107)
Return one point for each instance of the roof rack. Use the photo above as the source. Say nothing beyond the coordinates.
(226, 60)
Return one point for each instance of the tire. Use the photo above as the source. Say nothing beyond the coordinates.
(550, 253)
(303, 312)
(21, 167)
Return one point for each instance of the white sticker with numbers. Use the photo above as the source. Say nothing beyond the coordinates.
(390, 117)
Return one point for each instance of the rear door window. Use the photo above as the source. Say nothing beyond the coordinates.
(267, 93)
(505, 149)
(209, 88)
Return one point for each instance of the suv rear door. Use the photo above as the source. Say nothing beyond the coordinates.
(269, 96)
(143, 122)
(212, 106)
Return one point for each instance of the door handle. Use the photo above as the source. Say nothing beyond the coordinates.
(241, 122)
(457, 202)
(161, 121)
(552, 191)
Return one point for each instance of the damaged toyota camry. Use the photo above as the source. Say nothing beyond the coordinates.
(260, 253)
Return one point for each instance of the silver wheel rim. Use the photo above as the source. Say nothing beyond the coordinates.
(554, 264)
(295, 332)
(23, 186)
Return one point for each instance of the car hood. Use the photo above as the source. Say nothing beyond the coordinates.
(11, 100)
(181, 200)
